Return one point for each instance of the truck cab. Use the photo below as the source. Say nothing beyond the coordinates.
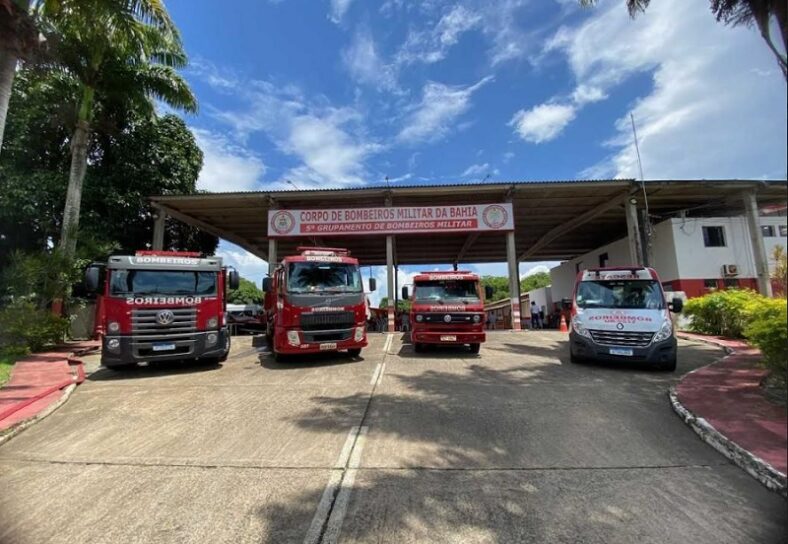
(161, 305)
(621, 315)
(447, 308)
(315, 302)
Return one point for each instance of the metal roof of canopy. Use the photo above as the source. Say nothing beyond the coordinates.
(554, 220)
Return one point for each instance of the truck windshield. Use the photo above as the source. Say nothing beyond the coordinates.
(162, 282)
(442, 291)
(628, 294)
(312, 277)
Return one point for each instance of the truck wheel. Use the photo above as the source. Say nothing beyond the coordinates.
(418, 347)
(475, 348)
(669, 365)
(354, 352)
(226, 354)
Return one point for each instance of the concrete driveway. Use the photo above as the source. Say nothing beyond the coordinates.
(513, 445)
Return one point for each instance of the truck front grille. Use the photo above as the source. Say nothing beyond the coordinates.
(146, 323)
(440, 318)
(622, 338)
(326, 321)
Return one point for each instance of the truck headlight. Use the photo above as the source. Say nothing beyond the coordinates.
(419, 318)
(113, 326)
(664, 332)
(477, 318)
(213, 322)
(293, 338)
(211, 338)
(578, 327)
(359, 336)
(113, 344)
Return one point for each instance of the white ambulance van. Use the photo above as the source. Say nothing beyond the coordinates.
(621, 315)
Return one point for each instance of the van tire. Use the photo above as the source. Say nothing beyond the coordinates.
(574, 359)
(122, 367)
(475, 348)
(354, 352)
(668, 366)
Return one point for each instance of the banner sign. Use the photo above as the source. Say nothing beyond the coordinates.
(390, 220)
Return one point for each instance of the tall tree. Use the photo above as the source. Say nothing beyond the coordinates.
(736, 13)
(17, 37)
(117, 51)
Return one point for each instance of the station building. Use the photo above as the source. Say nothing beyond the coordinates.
(692, 231)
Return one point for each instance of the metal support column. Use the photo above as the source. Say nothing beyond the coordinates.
(514, 280)
(271, 256)
(160, 222)
(633, 232)
(390, 278)
(759, 254)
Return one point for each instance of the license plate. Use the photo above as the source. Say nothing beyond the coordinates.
(163, 347)
(328, 346)
(448, 338)
(621, 351)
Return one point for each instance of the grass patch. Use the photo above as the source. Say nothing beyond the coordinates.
(7, 360)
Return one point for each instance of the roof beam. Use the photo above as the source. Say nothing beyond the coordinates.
(572, 224)
(469, 241)
(230, 237)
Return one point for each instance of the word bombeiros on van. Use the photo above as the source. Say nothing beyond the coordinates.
(621, 315)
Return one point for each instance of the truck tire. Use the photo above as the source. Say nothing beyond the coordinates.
(418, 347)
(228, 345)
(354, 352)
(669, 365)
(475, 348)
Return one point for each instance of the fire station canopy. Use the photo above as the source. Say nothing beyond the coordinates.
(554, 220)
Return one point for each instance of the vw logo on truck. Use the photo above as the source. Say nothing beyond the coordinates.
(165, 317)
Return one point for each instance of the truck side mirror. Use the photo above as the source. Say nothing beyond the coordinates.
(405, 295)
(233, 280)
(267, 285)
(92, 278)
(488, 291)
(676, 305)
(373, 284)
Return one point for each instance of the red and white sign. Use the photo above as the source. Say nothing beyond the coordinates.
(392, 220)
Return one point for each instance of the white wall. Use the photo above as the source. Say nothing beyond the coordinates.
(699, 262)
(678, 252)
(542, 297)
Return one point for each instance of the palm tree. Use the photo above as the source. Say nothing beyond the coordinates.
(17, 37)
(739, 12)
(118, 51)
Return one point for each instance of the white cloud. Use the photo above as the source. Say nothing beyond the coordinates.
(249, 266)
(440, 105)
(330, 143)
(536, 269)
(699, 118)
(365, 65)
(478, 170)
(338, 9)
(542, 123)
(432, 45)
(227, 166)
(586, 94)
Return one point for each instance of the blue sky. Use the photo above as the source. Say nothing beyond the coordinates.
(342, 93)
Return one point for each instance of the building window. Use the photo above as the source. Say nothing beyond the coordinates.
(767, 231)
(714, 236)
(731, 283)
(603, 258)
(667, 286)
(783, 230)
(710, 284)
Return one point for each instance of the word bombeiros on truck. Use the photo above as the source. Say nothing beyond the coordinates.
(315, 302)
(161, 305)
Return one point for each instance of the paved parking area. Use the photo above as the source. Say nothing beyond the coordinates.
(513, 445)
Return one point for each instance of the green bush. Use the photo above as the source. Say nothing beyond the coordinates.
(767, 329)
(23, 326)
(722, 313)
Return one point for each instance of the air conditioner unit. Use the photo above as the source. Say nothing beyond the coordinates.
(730, 270)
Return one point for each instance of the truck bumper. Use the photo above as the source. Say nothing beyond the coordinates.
(654, 354)
(134, 349)
(445, 337)
(312, 342)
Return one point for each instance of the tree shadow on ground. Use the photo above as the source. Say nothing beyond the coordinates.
(511, 453)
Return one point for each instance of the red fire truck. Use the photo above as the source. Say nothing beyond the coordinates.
(315, 302)
(161, 305)
(447, 308)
